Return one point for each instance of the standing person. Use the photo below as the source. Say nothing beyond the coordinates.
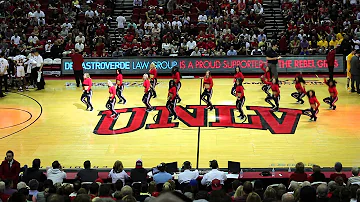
(348, 67)
(330, 59)
(238, 75)
(10, 168)
(77, 60)
(240, 98)
(153, 79)
(40, 83)
(147, 93)
(110, 104)
(87, 92)
(171, 99)
(207, 93)
(20, 73)
(333, 93)
(121, 20)
(120, 86)
(4, 65)
(355, 72)
(176, 77)
(275, 94)
(272, 58)
(314, 106)
(267, 78)
(300, 88)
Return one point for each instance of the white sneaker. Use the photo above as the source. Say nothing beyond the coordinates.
(31, 87)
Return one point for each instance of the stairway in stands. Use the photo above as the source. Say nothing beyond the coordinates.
(273, 18)
(121, 6)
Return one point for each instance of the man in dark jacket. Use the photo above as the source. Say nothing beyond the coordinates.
(355, 72)
(139, 174)
(330, 58)
(87, 174)
(34, 172)
(10, 168)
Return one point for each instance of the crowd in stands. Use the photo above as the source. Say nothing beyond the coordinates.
(55, 27)
(36, 186)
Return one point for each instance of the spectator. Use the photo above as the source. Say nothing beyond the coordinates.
(94, 190)
(99, 47)
(231, 52)
(79, 38)
(117, 53)
(118, 173)
(3, 196)
(253, 197)
(299, 175)
(355, 176)
(187, 175)
(9, 187)
(104, 192)
(304, 45)
(287, 198)
(213, 174)
(269, 194)
(162, 176)
(79, 46)
(48, 46)
(317, 175)
(202, 18)
(34, 172)
(322, 192)
(121, 23)
(55, 173)
(33, 192)
(338, 173)
(15, 39)
(323, 45)
(235, 185)
(258, 188)
(166, 48)
(10, 168)
(196, 52)
(247, 188)
(87, 174)
(139, 174)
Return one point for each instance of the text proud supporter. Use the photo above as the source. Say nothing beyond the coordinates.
(251, 64)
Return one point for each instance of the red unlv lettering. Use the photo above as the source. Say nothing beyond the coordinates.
(196, 116)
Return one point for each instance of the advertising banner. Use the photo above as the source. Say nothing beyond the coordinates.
(196, 65)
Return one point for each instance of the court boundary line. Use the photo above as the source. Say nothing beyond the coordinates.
(41, 111)
(18, 123)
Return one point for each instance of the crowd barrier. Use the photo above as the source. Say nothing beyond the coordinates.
(198, 65)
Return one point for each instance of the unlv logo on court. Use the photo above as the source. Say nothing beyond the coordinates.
(264, 119)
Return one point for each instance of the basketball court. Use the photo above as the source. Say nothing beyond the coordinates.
(53, 125)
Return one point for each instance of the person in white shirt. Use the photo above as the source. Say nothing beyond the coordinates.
(15, 39)
(33, 39)
(259, 10)
(55, 173)
(40, 16)
(4, 65)
(176, 22)
(187, 175)
(80, 46)
(89, 13)
(121, 23)
(196, 52)
(118, 173)
(213, 174)
(202, 19)
(40, 83)
(148, 23)
(67, 25)
(79, 38)
(48, 46)
(190, 45)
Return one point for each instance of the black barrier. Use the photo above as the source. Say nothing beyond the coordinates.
(196, 65)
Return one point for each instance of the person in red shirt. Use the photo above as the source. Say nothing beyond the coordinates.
(99, 47)
(299, 175)
(120, 87)
(129, 37)
(153, 79)
(314, 106)
(110, 104)
(274, 85)
(333, 93)
(330, 58)
(10, 168)
(207, 93)
(300, 88)
(176, 77)
(77, 60)
(338, 173)
(147, 93)
(266, 77)
(87, 92)
(240, 98)
(171, 99)
(238, 75)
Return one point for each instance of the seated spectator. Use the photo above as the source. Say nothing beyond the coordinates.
(94, 190)
(104, 192)
(247, 189)
(355, 176)
(307, 194)
(79, 38)
(55, 173)
(117, 53)
(196, 52)
(190, 45)
(213, 174)
(87, 174)
(9, 187)
(99, 47)
(317, 175)
(258, 188)
(33, 192)
(322, 45)
(34, 172)
(187, 175)
(338, 173)
(288, 197)
(48, 46)
(79, 46)
(118, 173)
(202, 18)
(162, 176)
(258, 8)
(3, 196)
(231, 51)
(269, 194)
(139, 174)
(322, 192)
(234, 185)
(10, 168)
(40, 16)
(295, 46)
(299, 175)
(304, 45)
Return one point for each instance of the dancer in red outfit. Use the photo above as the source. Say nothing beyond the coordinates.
(171, 99)
(266, 77)
(110, 105)
(147, 93)
(300, 88)
(120, 86)
(275, 94)
(240, 98)
(333, 93)
(314, 106)
(153, 78)
(238, 75)
(207, 93)
(176, 77)
(87, 92)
